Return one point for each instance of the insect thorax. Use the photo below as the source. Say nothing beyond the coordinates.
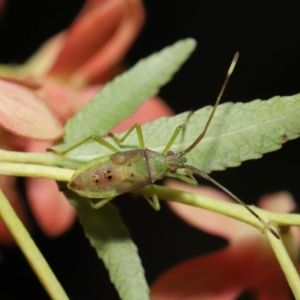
(175, 161)
(158, 164)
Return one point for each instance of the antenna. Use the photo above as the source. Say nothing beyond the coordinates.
(202, 134)
(238, 200)
(200, 137)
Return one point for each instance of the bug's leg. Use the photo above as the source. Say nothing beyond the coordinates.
(93, 138)
(139, 133)
(188, 178)
(104, 143)
(153, 199)
(99, 203)
(176, 132)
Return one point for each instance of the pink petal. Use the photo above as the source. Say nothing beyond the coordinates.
(113, 51)
(50, 207)
(115, 25)
(208, 221)
(66, 101)
(89, 32)
(279, 202)
(115, 48)
(209, 277)
(25, 114)
(248, 265)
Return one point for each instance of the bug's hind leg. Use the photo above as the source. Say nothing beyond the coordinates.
(94, 138)
(153, 199)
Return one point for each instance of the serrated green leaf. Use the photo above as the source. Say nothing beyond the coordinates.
(111, 240)
(238, 132)
(121, 97)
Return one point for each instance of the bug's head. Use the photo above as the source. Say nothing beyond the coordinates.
(175, 161)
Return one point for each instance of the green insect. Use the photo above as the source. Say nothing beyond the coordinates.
(111, 175)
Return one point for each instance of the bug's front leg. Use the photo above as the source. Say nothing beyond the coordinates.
(153, 199)
(176, 132)
(188, 178)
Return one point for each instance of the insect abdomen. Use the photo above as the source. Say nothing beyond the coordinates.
(111, 175)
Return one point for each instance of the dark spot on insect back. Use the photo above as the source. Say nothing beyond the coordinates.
(132, 175)
(95, 178)
(108, 175)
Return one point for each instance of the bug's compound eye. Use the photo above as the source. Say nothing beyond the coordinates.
(95, 178)
(170, 153)
(108, 175)
(173, 170)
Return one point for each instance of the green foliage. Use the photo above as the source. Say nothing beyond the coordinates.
(111, 240)
(121, 97)
(238, 132)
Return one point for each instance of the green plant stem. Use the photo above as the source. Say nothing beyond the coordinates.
(33, 170)
(286, 264)
(232, 210)
(284, 219)
(30, 250)
(45, 158)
